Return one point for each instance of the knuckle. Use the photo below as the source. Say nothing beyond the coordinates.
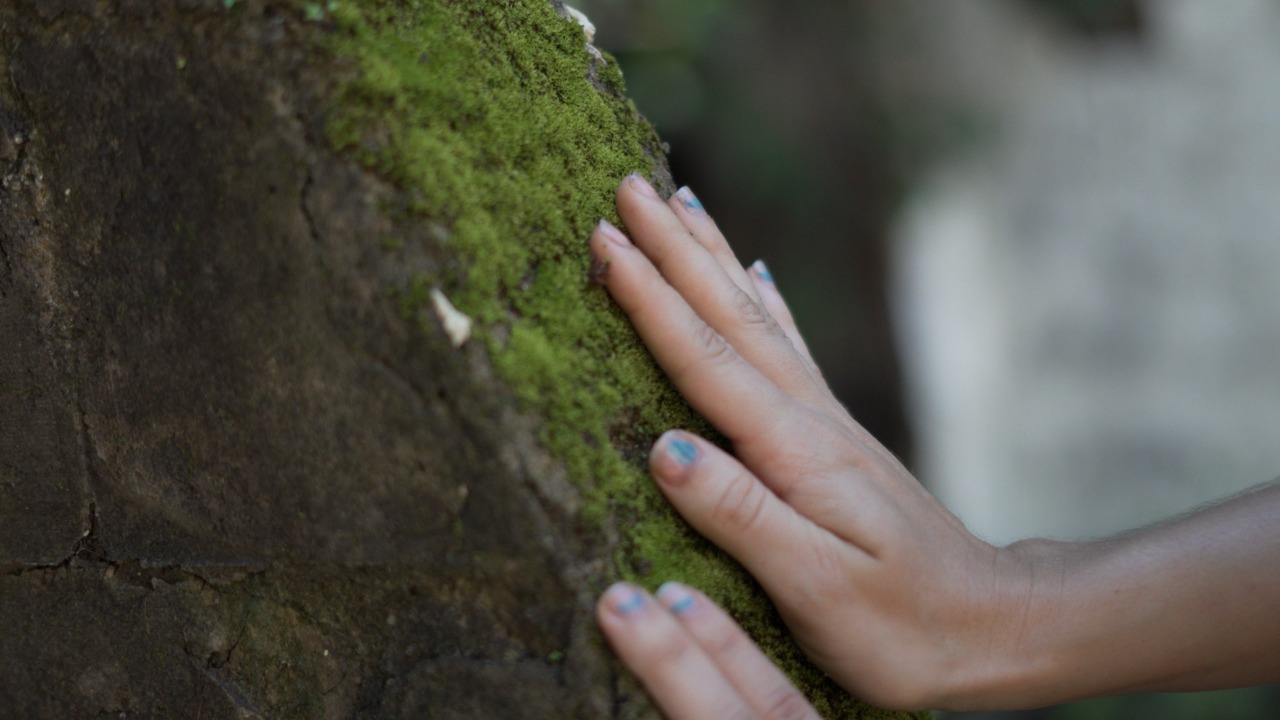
(741, 507)
(822, 586)
(829, 564)
(672, 651)
(750, 314)
(712, 346)
(709, 352)
(785, 703)
(724, 641)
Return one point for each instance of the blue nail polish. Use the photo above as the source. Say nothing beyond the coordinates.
(689, 200)
(682, 451)
(763, 272)
(678, 598)
(632, 604)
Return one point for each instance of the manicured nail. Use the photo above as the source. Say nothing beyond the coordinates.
(624, 599)
(681, 450)
(689, 200)
(761, 271)
(676, 597)
(637, 181)
(613, 234)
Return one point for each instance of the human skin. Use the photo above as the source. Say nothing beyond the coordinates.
(882, 587)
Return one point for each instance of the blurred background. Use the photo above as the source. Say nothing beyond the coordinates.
(1034, 244)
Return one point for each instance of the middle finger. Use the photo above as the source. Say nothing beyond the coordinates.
(699, 278)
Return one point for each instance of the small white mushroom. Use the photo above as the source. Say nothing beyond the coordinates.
(456, 325)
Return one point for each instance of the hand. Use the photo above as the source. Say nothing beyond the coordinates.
(694, 660)
(882, 587)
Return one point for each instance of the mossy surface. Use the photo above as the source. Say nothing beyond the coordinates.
(485, 116)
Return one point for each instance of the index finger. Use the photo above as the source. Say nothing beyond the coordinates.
(726, 389)
(727, 302)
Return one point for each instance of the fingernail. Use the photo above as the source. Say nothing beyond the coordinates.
(598, 274)
(762, 272)
(613, 234)
(680, 449)
(637, 181)
(673, 454)
(689, 200)
(676, 597)
(624, 599)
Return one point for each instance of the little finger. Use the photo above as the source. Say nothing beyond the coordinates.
(688, 208)
(771, 298)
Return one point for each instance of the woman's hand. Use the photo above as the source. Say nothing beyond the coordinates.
(882, 587)
(693, 659)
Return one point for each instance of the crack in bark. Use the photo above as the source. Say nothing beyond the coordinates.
(215, 660)
(8, 270)
(134, 570)
(84, 548)
(306, 211)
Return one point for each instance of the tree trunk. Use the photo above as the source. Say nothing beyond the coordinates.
(249, 464)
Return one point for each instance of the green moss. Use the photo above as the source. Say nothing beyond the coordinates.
(484, 115)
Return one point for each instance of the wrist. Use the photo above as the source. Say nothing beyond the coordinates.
(1023, 654)
(1077, 622)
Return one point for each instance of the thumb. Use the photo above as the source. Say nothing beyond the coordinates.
(732, 508)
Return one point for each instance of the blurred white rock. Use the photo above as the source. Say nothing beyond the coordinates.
(1090, 311)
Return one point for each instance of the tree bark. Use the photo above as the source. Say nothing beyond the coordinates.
(244, 469)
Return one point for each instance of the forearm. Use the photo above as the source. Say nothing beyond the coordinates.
(1191, 604)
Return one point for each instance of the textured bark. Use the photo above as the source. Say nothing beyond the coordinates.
(231, 474)
(235, 480)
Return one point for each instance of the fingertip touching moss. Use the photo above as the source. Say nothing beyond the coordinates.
(486, 117)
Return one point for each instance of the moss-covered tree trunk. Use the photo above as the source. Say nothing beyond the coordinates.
(246, 467)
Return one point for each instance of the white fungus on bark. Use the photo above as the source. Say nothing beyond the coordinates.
(456, 325)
